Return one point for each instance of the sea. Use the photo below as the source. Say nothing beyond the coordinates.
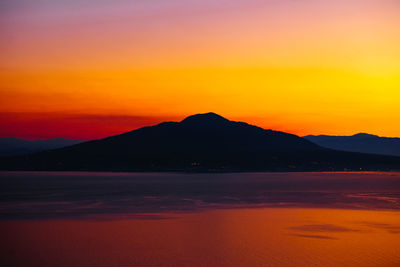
(200, 219)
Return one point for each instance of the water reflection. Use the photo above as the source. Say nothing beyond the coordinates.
(167, 219)
(234, 237)
(79, 195)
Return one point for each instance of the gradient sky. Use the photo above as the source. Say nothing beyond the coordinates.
(87, 69)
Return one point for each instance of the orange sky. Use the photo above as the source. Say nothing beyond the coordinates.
(91, 68)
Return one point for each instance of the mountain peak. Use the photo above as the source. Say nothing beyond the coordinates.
(364, 135)
(204, 142)
(209, 118)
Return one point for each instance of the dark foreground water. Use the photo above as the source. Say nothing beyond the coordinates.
(168, 219)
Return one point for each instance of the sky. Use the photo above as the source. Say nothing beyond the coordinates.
(87, 69)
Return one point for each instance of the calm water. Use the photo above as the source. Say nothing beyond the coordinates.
(241, 219)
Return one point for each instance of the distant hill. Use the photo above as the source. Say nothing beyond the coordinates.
(202, 142)
(365, 143)
(11, 146)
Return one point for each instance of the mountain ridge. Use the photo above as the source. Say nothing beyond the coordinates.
(361, 142)
(201, 142)
(13, 146)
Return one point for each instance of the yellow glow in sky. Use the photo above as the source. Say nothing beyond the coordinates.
(306, 67)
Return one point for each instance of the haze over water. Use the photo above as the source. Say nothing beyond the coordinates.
(169, 219)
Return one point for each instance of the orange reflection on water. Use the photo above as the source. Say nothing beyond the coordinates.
(236, 237)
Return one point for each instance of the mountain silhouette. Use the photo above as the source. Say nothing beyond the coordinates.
(11, 146)
(202, 142)
(361, 142)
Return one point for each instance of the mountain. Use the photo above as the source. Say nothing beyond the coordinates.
(202, 142)
(11, 146)
(365, 143)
